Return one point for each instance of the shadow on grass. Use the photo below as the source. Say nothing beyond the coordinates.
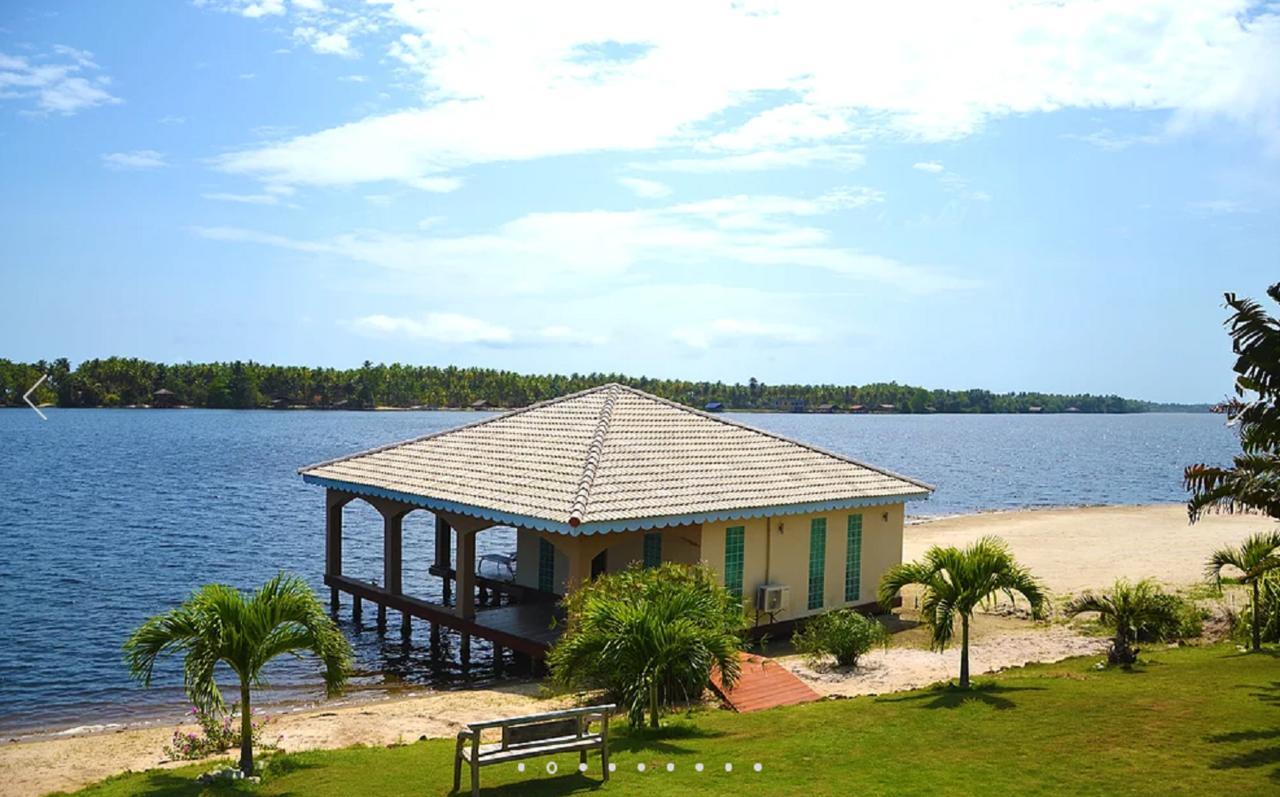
(951, 696)
(560, 784)
(1267, 756)
(661, 740)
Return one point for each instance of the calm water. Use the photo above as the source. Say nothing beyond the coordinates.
(108, 516)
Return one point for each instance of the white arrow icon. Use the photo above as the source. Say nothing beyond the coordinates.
(27, 396)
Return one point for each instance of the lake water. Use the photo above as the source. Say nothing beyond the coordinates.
(108, 516)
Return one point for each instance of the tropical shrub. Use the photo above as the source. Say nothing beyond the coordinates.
(844, 634)
(1264, 623)
(955, 582)
(1258, 555)
(1138, 612)
(650, 637)
(220, 625)
(219, 732)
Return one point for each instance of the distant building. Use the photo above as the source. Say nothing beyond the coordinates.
(1035, 409)
(164, 398)
(713, 406)
(828, 408)
(886, 408)
(799, 405)
(480, 404)
(1073, 409)
(857, 408)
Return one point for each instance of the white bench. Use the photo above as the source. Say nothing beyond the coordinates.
(531, 736)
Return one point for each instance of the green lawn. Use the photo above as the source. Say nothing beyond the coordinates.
(1191, 720)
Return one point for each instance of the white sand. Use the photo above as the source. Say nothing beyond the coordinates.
(1071, 549)
(899, 669)
(1076, 549)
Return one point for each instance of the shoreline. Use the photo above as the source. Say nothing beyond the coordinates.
(919, 530)
(1069, 548)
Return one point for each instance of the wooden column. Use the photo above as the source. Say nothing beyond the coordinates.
(334, 502)
(392, 556)
(443, 557)
(466, 569)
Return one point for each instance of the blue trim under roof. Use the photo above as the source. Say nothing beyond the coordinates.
(607, 526)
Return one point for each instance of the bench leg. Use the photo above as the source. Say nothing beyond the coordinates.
(604, 760)
(475, 780)
(457, 766)
(582, 757)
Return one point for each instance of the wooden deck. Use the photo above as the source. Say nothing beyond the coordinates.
(764, 683)
(529, 628)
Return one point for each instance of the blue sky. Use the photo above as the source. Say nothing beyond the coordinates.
(1002, 195)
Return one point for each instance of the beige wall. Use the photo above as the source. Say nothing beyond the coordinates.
(680, 544)
(776, 551)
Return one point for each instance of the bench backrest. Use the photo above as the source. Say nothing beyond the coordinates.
(528, 733)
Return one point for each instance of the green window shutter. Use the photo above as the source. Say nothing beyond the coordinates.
(546, 566)
(734, 544)
(853, 560)
(817, 561)
(652, 550)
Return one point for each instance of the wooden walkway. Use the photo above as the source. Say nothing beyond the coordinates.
(764, 683)
(528, 628)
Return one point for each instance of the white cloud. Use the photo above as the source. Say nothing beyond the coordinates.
(507, 83)
(1112, 142)
(648, 189)
(56, 82)
(325, 42)
(838, 156)
(244, 199)
(264, 8)
(353, 79)
(439, 327)
(731, 330)
(567, 253)
(560, 333)
(1221, 207)
(380, 200)
(436, 185)
(137, 159)
(933, 167)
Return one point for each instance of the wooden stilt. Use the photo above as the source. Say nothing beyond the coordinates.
(382, 618)
(498, 663)
(443, 557)
(333, 600)
(406, 625)
(357, 613)
(466, 652)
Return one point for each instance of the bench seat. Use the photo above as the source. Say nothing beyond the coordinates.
(494, 754)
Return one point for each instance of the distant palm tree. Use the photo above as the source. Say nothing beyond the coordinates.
(220, 624)
(1126, 609)
(1252, 484)
(955, 582)
(1254, 557)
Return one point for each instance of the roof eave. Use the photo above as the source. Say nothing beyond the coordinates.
(609, 526)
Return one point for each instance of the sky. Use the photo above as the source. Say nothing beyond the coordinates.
(1007, 195)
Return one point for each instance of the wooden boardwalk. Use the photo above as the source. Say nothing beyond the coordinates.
(764, 683)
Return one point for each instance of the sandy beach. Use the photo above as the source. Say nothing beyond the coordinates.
(1070, 549)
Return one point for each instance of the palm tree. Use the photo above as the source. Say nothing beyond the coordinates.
(1127, 609)
(1252, 484)
(1254, 557)
(651, 636)
(220, 624)
(955, 582)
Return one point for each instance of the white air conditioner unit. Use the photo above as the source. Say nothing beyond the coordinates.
(773, 598)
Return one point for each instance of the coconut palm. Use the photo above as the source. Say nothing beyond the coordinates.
(955, 582)
(1127, 609)
(219, 624)
(1252, 484)
(1256, 556)
(650, 636)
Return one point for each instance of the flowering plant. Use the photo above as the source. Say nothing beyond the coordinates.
(218, 732)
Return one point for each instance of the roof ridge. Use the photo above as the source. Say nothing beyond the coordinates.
(594, 452)
(776, 436)
(450, 430)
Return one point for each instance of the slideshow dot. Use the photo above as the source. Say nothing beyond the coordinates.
(671, 767)
(640, 767)
(613, 767)
(520, 767)
(697, 767)
(583, 767)
(757, 766)
(728, 767)
(552, 768)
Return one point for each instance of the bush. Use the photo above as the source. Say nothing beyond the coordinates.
(843, 633)
(650, 637)
(1140, 612)
(1179, 619)
(1268, 611)
(219, 732)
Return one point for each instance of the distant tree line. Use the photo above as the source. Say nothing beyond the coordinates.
(124, 381)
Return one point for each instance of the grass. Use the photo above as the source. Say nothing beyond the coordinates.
(1187, 721)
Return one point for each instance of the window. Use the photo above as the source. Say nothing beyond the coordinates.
(734, 544)
(853, 560)
(546, 566)
(817, 560)
(652, 550)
